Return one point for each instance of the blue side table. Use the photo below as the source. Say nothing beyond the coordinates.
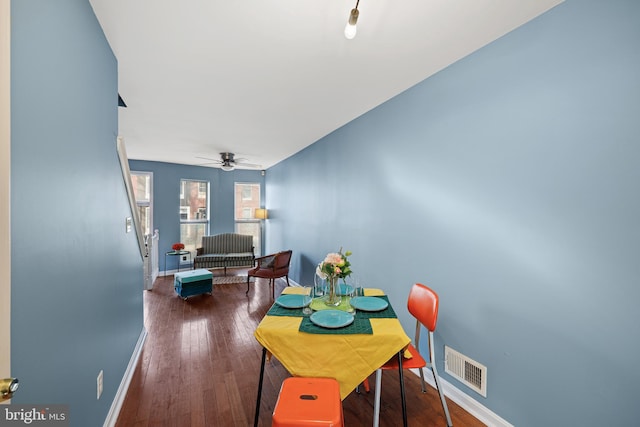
(178, 254)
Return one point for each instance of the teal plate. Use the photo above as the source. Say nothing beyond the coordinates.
(293, 301)
(331, 319)
(369, 303)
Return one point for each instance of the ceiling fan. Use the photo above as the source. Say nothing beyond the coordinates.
(228, 162)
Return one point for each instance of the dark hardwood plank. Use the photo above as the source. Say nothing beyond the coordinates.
(200, 365)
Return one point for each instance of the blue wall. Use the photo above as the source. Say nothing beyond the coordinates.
(509, 183)
(77, 277)
(166, 198)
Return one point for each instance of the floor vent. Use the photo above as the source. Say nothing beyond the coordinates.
(466, 370)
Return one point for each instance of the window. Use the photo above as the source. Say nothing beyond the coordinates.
(203, 188)
(247, 193)
(194, 213)
(142, 191)
(247, 200)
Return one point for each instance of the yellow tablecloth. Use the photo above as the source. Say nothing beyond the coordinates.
(347, 358)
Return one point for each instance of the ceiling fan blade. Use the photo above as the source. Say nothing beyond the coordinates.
(229, 160)
(208, 158)
(248, 165)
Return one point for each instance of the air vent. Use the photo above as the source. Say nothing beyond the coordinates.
(466, 370)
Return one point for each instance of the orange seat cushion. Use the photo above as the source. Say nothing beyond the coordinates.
(416, 360)
(309, 402)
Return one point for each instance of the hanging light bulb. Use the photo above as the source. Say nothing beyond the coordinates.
(350, 29)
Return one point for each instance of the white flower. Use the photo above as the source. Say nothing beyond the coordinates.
(320, 273)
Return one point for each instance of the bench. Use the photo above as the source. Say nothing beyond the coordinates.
(225, 250)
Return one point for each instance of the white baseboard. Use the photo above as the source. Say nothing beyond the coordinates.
(166, 273)
(465, 401)
(116, 405)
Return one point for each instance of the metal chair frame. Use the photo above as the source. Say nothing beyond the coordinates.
(423, 304)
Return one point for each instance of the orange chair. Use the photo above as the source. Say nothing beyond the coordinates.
(423, 305)
(271, 267)
(308, 402)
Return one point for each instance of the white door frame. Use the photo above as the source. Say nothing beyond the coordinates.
(5, 187)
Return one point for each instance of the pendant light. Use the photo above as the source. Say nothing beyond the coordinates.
(350, 29)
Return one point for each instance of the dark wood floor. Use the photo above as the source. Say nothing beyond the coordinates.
(200, 366)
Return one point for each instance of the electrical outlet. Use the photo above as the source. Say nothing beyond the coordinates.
(99, 383)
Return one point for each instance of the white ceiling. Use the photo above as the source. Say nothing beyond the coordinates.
(266, 78)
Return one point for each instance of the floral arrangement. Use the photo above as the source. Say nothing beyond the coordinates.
(335, 264)
(177, 246)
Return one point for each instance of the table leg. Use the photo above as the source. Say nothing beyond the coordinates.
(402, 395)
(264, 358)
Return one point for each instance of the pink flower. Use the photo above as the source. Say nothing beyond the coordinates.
(333, 258)
(334, 265)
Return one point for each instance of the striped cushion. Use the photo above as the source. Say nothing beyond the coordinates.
(225, 250)
(227, 243)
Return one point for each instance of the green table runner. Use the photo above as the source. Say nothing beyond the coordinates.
(276, 310)
(360, 325)
(317, 304)
(387, 313)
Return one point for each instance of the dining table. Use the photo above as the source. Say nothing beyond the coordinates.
(349, 353)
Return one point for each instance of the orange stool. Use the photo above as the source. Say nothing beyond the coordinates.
(308, 402)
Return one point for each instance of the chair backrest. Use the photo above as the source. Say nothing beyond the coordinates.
(227, 243)
(423, 305)
(282, 260)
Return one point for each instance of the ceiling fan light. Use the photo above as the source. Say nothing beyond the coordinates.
(227, 167)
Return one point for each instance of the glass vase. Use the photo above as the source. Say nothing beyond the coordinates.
(332, 295)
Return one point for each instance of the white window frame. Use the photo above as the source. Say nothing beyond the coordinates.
(187, 209)
(250, 218)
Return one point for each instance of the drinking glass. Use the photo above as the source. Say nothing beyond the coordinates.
(310, 291)
(358, 289)
(354, 283)
(319, 285)
(350, 294)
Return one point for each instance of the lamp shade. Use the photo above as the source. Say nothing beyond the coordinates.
(261, 214)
